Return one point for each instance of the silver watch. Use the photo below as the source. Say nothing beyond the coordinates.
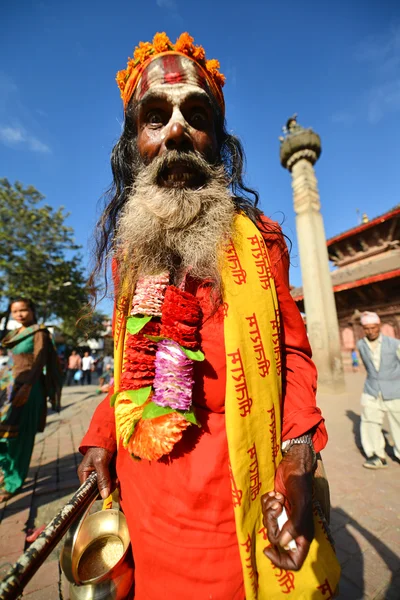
(303, 439)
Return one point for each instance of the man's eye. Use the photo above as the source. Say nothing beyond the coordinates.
(154, 117)
(198, 118)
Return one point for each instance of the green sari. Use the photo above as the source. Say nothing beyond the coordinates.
(32, 351)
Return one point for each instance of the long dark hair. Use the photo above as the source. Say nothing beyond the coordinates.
(125, 163)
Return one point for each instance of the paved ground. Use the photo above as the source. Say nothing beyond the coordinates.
(365, 504)
(365, 514)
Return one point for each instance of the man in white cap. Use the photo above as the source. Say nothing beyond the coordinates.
(381, 357)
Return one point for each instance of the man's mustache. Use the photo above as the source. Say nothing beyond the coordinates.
(191, 160)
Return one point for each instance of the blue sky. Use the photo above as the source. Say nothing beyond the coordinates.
(335, 63)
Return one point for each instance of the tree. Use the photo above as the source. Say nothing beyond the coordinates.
(38, 254)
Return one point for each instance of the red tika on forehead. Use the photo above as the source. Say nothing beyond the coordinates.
(171, 69)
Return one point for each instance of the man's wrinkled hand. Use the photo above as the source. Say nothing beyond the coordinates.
(97, 459)
(293, 488)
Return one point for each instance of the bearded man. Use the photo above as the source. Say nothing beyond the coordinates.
(206, 333)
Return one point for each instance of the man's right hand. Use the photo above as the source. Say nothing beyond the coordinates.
(97, 459)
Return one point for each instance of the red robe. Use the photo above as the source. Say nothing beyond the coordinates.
(179, 509)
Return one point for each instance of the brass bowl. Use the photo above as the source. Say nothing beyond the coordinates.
(93, 538)
(95, 532)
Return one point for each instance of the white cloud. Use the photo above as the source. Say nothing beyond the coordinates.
(168, 4)
(383, 99)
(17, 137)
(381, 56)
(381, 52)
(11, 135)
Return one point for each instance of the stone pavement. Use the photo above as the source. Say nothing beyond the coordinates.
(365, 504)
(365, 515)
(51, 481)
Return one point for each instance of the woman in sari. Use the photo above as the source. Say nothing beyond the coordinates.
(24, 390)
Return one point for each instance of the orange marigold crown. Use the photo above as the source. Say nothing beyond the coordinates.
(128, 78)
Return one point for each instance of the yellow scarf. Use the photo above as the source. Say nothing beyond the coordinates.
(253, 417)
(253, 421)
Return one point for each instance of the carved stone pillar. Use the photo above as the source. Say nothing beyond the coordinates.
(300, 150)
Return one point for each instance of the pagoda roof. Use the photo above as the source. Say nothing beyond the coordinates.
(364, 226)
(298, 296)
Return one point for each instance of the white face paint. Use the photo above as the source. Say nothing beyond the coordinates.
(176, 95)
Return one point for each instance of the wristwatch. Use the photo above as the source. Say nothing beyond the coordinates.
(303, 439)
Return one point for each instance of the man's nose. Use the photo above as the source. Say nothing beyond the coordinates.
(177, 137)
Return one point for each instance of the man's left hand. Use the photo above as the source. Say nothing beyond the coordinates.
(293, 487)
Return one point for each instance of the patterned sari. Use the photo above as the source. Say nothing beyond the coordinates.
(24, 390)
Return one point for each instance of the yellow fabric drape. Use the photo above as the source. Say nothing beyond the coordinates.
(253, 421)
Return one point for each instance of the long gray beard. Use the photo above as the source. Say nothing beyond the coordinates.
(174, 229)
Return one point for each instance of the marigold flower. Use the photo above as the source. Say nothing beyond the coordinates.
(212, 66)
(199, 53)
(131, 65)
(120, 78)
(143, 51)
(184, 44)
(161, 42)
(153, 438)
(219, 78)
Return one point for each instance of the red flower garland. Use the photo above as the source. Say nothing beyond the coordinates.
(181, 315)
(139, 358)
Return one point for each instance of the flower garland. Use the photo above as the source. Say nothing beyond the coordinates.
(127, 78)
(153, 406)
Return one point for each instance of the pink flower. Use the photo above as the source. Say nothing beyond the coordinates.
(173, 381)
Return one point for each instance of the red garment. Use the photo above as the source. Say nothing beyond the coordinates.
(179, 509)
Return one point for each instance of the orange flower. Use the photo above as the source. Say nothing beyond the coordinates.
(153, 438)
(131, 65)
(143, 51)
(199, 53)
(120, 79)
(184, 44)
(212, 66)
(161, 43)
(219, 78)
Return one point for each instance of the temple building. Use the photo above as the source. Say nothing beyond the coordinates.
(365, 275)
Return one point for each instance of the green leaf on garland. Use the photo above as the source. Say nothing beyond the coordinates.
(130, 432)
(155, 338)
(138, 397)
(190, 416)
(151, 411)
(135, 324)
(113, 399)
(198, 355)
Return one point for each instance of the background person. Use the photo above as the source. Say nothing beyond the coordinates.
(381, 357)
(108, 361)
(74, 365)
(24, 390)
(354, 361)
(87, 368)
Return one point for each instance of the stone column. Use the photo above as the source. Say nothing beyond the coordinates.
(300, 150)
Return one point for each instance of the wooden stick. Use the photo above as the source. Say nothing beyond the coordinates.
(28, 563)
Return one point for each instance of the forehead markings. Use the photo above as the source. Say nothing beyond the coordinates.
(175, 94)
